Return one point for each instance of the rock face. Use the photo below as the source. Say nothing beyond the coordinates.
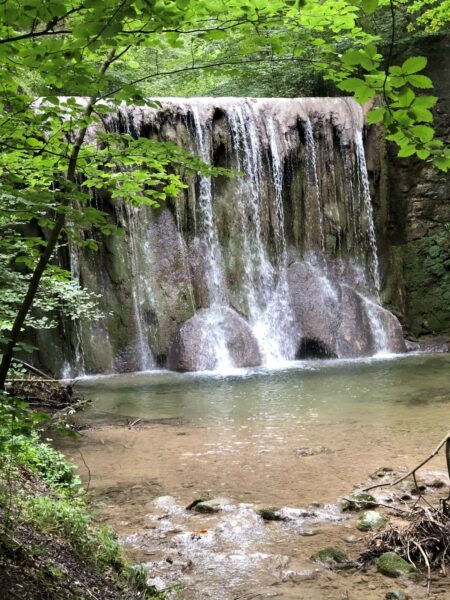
(316, 308)
(413, 214)
(196, 347)
(277, 263)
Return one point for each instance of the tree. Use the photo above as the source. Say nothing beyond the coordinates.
(49, 160)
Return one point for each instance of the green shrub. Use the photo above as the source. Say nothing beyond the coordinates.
(69, 519)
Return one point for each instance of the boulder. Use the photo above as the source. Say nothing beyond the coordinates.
(371, 520)
(213, 338)
(315, 307)
(393, 565)
(354, 337)
(393, 330)
(270, 513)
(396, 595)
(359, 501)
(330, 556)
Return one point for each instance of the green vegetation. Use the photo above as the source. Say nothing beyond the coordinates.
(41, 494)
(427, 270)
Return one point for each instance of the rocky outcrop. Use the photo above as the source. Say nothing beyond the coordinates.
(413, 213)
(213, 338)
(276, 262)
(316, 306)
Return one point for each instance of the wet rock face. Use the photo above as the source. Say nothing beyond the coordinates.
(416, 236)
(196, 349)
(316, 308)
(276, 263)
(333, 319)
(354, 336)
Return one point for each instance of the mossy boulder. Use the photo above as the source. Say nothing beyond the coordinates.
(359, 501)
(330, 556)
(393, 565)
(371, 520)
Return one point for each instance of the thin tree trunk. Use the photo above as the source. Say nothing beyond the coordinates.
(52, 241)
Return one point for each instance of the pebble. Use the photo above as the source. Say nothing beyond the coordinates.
(309, 532)
(350, 539)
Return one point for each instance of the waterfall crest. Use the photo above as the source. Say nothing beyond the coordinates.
(275, 264)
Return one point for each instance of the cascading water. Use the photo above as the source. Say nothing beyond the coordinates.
(314, 185)
(253, 269)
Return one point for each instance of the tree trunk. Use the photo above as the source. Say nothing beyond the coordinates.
(52, 241)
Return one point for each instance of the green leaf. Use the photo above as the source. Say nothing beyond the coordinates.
(406, 151)
(376, 115)
(413, 64)
(442, 163)
(369, 6)
(422, 114)
(419, 81)
(31, 141)
(423, 154)
(425, 101)
(423, 132)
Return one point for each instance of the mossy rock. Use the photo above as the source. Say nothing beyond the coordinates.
(393, 565)
(359, 501)
(371, 520)
(270, 513)
(330, 556)
(396, 595)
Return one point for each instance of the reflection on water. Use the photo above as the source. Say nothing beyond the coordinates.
(373, 390)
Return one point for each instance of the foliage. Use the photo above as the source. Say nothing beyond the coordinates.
(53, 501)
(69, 519)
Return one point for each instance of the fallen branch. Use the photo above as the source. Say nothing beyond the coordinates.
(445, 440)
(34, 370)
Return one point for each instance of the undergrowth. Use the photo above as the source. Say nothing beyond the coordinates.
(39, 489)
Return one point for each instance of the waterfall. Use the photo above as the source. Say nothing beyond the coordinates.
(216, 285)
(140, 347)
(254, 269)
(365, 193)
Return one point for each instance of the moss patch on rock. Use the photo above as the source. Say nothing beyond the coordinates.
(330, 556)
(393, 565)
(427, 278)
(371, 520)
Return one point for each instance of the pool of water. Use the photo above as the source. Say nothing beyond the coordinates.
(377, 389)
(293, 438)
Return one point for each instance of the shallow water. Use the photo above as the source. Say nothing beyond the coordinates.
(371, 390)
(306, 433)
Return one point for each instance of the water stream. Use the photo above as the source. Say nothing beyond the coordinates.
(295, 439)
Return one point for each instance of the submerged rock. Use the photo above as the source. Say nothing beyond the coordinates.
(330, 556)
(359, 501)
(308, 451)
(370, 520)
(212, 337)
(393, 565)
(270, 513)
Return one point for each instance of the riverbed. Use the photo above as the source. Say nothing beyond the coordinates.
(296, 438)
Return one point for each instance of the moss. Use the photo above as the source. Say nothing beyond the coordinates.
(393, 565)
(427, 279)
(370, 520)
(330, 556)
(359, 501)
